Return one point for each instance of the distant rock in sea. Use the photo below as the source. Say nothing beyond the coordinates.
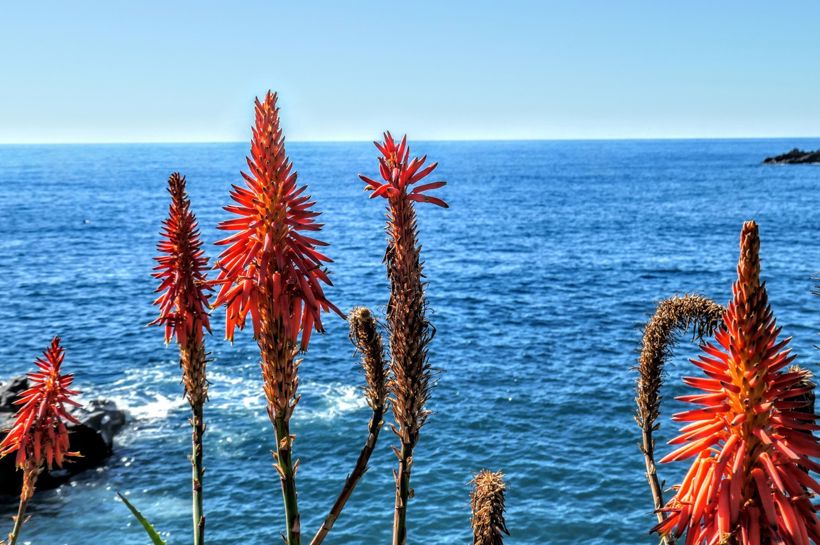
(93, 437)
(794, 157)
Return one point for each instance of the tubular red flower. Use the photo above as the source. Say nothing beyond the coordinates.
(751, 443)
(269, 262)
(39, 434)
(399, 174)
(181, 270)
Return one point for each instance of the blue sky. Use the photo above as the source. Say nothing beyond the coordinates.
(151, 71)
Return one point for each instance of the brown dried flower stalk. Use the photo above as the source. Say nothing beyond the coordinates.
(410, 332)
(487, 502)
(672, 316)
(365, 336)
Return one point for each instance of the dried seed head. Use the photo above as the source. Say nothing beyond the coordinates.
(805, 396)
(365, 336)
(672, 316)
(487, 502)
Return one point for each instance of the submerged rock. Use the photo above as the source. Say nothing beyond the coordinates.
(93, 437)
(794, 157)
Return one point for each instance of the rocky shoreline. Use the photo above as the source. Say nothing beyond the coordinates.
(100, 420)
(794, 157)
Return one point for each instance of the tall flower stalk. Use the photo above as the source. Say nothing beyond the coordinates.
(183, 302)
(673, 315)
(39, 435)
(410, 331)
(365, 336)
(749, 436)
(272, 270)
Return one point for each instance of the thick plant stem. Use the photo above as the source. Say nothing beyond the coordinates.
(376, 422)
(197, 472)
(18, 521)
(287, 475)
(193, 361)
(29, 478)
(403, 493)
(648, 450)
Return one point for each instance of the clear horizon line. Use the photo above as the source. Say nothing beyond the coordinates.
(443, 140)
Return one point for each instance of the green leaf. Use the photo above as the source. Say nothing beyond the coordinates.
(149, 528)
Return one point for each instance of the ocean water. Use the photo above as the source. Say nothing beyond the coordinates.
(541, 274)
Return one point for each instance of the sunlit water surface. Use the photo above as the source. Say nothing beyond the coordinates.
(541, 274)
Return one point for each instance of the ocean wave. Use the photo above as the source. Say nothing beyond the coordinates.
(152, 394)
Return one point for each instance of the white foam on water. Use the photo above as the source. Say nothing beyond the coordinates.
(320, 401)
(157, 409)
(153, 393)
(334, 400)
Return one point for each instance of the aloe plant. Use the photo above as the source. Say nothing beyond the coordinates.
(183, 301)
(487, 504)
(39, 436)
(152, 533)
(410, 331)
(749, 436)
(271, 269)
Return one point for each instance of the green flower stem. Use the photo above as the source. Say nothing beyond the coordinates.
(287, 475)
(197, 472)
(359, 470)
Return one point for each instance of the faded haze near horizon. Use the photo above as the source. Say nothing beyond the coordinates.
(155, 72)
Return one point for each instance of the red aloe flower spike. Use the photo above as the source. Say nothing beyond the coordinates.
(39, 435)
(183, 310)
(270, 266)
(272, 270)
(181, 269)
(752, 444)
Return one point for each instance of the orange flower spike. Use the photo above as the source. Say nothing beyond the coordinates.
(749, 430)
(39, 435)
(181, 269)
(269, 261)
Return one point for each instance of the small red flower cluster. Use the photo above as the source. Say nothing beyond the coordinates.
(399, 173)
(182, 270)
(39, 435)
(269, 264)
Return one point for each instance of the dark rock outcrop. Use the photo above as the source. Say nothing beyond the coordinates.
(93, 437)
(794, 157)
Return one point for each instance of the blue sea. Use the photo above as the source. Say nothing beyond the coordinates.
(541, 274)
